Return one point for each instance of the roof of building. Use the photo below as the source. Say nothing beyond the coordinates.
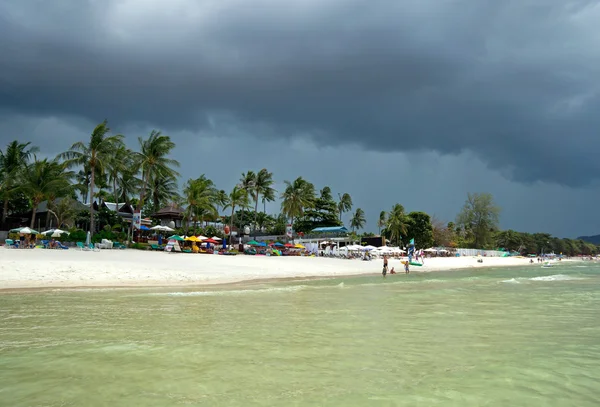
(169, 211)
(43, 206)
(331, 229)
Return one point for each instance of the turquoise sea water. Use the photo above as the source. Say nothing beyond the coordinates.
(497, 337)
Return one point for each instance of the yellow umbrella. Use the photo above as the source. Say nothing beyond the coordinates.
(192, 239)
(299, 246)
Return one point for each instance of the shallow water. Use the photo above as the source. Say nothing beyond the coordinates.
(496, 337)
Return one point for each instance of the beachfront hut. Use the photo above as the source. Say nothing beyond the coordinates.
(170, 213)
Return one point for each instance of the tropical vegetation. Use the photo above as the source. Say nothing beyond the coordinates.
(101, 168)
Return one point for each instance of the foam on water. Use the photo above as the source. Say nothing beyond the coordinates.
(231, 292)
(555, 277)
(512, 281)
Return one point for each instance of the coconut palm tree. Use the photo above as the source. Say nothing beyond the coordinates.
(162, 189)
(268, 195)
(95, 156)
(345, 204)
(237, 197)
(116, 165)
(382, 220)
(200, 197)
(12, 161)
(358, 220)
(44, 179)
(248, 184)
(221, 199)
(128, 185)
(153, 160)
(263, 185)
(396, 224)
(297, 196)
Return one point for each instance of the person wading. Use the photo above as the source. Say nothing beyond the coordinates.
(385, 266)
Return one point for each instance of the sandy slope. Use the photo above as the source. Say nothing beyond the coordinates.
(40, 268)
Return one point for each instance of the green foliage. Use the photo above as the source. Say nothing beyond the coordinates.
(418, 225)
(479, 219)
(321, 212)
(140, 246)
(358, 220)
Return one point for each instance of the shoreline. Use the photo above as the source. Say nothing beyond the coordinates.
(43, 270)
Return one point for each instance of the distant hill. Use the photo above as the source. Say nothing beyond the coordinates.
(591, 239)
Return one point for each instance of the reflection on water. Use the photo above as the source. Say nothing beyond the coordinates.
(497, 337)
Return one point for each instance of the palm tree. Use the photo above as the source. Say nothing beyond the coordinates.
(396, 223)
(200, 196)
(95, 156)
(268, 195)
(43, 180)
(358, 220)
(326, 194)
(128, 185)
(345, 204)
(296, 197)
(12, 161)
(153, 160)
(221, 199)
(263, 185)
(116, 165)
(237, 197)
(382, 220)
(248, 184)
(162, 188)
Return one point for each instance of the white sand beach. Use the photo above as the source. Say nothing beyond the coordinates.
(125, 268)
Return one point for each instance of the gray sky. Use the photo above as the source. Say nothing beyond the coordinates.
(412, 101)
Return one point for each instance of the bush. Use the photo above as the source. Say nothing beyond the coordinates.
(140, 246)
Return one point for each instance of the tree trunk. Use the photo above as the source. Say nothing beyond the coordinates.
(255, 211)
(33, 213)
(5, 211)
(231, 223)
(116, 193)
(92, 223)
(143, 191)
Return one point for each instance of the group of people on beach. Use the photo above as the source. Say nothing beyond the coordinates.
(392, 271)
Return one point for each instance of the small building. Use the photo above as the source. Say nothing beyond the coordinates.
(170, 213)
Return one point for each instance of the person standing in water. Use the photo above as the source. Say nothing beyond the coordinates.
(406, 269)
(385, 266)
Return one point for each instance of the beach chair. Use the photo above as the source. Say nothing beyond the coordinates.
(117, 245)
(62, 246)
(81, 246)
(92, 247)
(155, 247)
(9, 244)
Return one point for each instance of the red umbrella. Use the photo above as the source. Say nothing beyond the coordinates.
(289, 245)
(210, 240)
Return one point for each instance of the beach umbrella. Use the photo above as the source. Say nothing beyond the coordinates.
(369, 247)
(210, 241)
(202, 237)
(216, 238)
(253, 243)
(158, 227)
(299, 246)
(59, 233)
(288, 245)
(262, 244)
(192, 239)
(88, 239)
(25, 231)
(167, 229)
(278, 244)
(176, 237)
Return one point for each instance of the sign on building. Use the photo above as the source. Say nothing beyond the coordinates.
(137, 219)
(289, 231)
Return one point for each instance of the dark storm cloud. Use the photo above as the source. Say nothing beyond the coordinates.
(513, 81)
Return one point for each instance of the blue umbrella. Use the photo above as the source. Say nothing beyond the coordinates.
(261, 244)
(144, 227)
